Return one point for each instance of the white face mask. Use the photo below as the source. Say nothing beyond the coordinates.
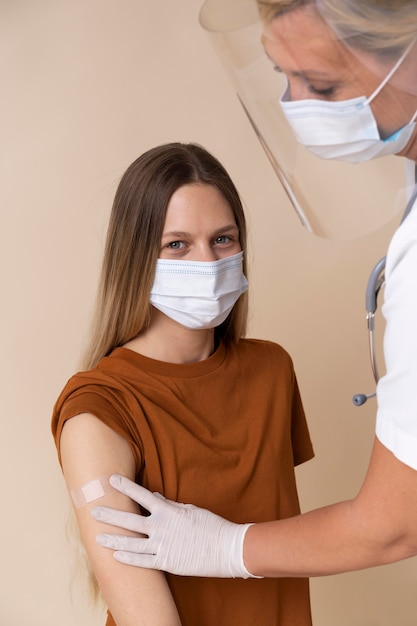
(198, 294)
(345, 130)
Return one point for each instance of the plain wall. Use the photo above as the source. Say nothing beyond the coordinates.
(87, 86)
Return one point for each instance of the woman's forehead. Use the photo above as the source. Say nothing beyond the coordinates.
(304, 36)
(302, 23)
(301, 39)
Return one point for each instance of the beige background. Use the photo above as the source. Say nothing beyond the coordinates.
(88, 85)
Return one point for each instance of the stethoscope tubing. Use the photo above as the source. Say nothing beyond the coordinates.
(375, 282)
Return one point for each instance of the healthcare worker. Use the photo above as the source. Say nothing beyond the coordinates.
(351, 67)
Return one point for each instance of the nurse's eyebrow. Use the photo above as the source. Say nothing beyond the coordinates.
(303, 73)
(312, 72)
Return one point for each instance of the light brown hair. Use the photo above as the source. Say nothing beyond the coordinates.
(134, 239)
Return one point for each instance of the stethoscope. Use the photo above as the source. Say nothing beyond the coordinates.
(375, 282)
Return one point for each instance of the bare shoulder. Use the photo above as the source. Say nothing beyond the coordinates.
(91, 448)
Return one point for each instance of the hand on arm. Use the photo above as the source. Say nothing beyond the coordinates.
(379, 526)
(182, 539)
(90, 449)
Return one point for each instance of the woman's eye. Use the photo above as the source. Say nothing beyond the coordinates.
(222, 239)
(329, 91)
(175, 245)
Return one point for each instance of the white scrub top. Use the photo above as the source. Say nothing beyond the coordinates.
(396, 425)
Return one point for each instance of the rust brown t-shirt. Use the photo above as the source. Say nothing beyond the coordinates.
(225, 434)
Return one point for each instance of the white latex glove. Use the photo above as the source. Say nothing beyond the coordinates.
(181, 538)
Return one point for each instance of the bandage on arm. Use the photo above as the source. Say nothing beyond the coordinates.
(181, 539)
(91, 491)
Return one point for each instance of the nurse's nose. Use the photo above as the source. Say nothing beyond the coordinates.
(296, 91)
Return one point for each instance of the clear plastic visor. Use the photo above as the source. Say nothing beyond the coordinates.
(377, 34)
(297, 57)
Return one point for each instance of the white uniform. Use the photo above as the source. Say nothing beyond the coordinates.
(396, 426)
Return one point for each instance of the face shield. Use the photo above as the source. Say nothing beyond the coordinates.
(377, 33)
(286, 70)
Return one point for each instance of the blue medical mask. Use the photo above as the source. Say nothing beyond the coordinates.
(345, 130)
(198, 294)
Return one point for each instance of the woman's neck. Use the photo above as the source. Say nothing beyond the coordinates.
(166, 340)
(410, 151)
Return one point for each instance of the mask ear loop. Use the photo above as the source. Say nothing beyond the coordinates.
(391, 74)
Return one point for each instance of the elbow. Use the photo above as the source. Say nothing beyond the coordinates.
(396, 545)
(406, 545)
(399, 552)
(385, 535)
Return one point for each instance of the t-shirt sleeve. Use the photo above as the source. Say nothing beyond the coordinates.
(288, 394)
(301, 441)
(106, 400)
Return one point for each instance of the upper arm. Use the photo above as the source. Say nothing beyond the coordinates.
(89, 450)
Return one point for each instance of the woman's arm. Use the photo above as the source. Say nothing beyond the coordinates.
(89, 450)
(379, 526)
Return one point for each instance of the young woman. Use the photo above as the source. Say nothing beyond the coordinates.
(173, 397)
(351, 67)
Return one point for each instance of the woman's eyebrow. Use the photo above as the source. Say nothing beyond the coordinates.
(312, 72)
(228, 227)
(182, 233)
(304, 72)
(176, 233)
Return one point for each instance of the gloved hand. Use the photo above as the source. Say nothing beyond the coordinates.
(181, 538)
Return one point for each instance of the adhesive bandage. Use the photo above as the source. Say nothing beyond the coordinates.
(93, 490)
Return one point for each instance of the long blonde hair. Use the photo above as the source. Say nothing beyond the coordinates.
(133, 242)
(269, 9)
(382, 27)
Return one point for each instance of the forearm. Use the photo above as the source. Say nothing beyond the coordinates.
(322, 542)
(379, 526)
